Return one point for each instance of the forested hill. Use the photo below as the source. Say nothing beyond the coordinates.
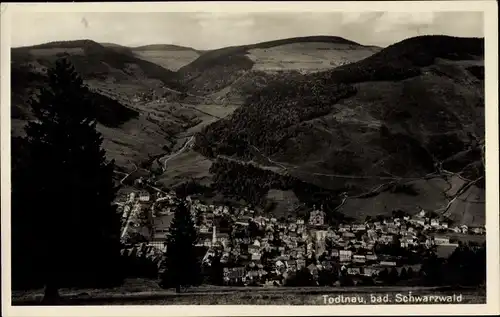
(412, 109)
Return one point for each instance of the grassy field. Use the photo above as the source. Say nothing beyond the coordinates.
(185, 166)
(147, 292)
(465, 237)
(172, 60)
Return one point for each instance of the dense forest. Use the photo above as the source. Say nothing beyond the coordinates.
(273, 117)
(251, 183)
(277, 113)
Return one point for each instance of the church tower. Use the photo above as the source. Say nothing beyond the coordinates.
(214, 235)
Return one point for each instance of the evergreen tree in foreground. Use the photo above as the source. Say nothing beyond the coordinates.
(182, 267)
(62, 198)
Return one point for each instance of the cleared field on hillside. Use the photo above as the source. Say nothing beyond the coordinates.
(133, 141)
(172, 60)
(207, 114)
(307, 56)
(186, 166)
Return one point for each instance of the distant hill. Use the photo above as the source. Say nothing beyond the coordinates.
(121, 83)
(413, 109)
(163, 47)
(218, 69)
(171, 57)
(119, 48)
(96, 62)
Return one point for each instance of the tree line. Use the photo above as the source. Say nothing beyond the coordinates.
(252, 183)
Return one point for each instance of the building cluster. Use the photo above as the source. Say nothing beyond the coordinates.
(258, 249)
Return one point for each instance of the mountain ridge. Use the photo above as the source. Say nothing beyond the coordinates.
(404, 112)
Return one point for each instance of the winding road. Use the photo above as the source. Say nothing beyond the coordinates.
(171, 156)
(127, 175)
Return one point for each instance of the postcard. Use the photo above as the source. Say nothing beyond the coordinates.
(249, 158)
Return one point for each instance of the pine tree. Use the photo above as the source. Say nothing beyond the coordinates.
(217, 270)
(68, 189)
(182, 267)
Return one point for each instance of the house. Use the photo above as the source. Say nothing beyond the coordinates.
(358, 258)
(479, 230)
(256, 256)
(207, 242)
(418, 221)
(348, 235)
(203, 229)
(407, 241)
(371, 257)
(435, 223)
(359, 227)
(441, 240)
(223, 238)
(392, 229)
(316, 218)
(464, 229)
(291, 265)
(234, 274)
(388, 263)
(313, 269)
(253, 249)
(353, 270)
(301, 263)
(429, 242)
(386, 238)
(345, 255)
(422, 213)
(371, 270)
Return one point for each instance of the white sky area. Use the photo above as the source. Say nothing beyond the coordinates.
(216, 30)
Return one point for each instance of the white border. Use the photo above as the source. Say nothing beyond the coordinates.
(492, 206)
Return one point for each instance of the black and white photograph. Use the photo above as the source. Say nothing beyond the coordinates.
(207, 157)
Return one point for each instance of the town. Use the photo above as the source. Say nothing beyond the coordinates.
(261, 250)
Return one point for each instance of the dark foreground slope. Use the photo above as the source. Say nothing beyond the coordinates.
(412, 113)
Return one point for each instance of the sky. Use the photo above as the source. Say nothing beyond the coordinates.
(204, 30)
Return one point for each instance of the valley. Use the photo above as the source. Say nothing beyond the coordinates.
(341, 117)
